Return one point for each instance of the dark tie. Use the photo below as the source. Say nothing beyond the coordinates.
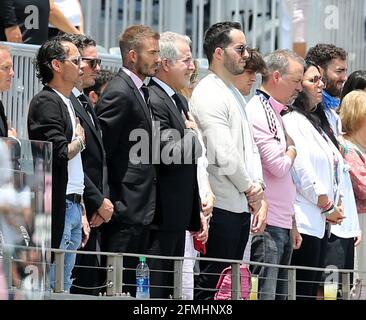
(180, 106)
(145, 91)
(85, 103)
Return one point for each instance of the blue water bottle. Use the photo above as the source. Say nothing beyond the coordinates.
(142, 280)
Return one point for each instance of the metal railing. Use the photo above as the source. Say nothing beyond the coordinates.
(114, 279)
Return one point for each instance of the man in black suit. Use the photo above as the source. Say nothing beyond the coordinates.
(6, 75)
(125, 117)
(52, 118)
(99, 208)
(178, 203)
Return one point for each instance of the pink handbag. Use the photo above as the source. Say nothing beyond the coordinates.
(224, 284)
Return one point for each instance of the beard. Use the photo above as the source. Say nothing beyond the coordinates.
(332, 88)
(233, 67)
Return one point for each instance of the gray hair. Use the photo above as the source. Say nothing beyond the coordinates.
(167, 45)
(278, 61)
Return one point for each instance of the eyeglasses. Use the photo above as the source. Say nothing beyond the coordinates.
(75, 61)
(93, 62)
(316, 79)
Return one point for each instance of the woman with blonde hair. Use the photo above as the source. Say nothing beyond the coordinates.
(353, 143)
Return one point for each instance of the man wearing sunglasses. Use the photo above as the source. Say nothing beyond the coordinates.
(99, 208)
(234, 162)
(52, 118)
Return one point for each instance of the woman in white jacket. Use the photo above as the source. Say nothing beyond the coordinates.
(316, 173)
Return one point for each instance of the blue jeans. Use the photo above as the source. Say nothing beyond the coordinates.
(273, 246)
(71, 240)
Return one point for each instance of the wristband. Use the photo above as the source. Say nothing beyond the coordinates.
(327, 206)
(292, 147)
(330, 211)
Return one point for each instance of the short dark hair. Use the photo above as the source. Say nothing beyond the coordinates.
(103, 77)
(322, 54)
(81, 41)
(51, 49)
(132, 37)
(356, 80)
(255, 62)
(218, 36)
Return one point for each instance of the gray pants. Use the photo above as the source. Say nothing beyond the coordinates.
(273, 246)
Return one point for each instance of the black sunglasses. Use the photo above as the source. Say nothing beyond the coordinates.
(93, 62)
(241, 49)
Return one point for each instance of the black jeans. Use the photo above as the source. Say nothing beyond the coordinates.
(228, 236)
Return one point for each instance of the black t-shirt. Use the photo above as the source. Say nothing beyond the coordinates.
(31, 16)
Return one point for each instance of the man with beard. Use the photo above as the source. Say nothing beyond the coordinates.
(344, 237)
(125, 117)
(234, 162)
(333, 61)
(280, 87)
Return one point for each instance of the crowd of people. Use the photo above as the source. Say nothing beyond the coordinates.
(153, 159)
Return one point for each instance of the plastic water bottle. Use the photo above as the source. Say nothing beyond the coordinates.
(142, 280)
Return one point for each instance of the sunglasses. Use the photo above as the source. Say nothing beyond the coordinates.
(75, 61)
(241, 49)
(93, 62)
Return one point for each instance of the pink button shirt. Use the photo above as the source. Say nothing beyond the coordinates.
(280, 192)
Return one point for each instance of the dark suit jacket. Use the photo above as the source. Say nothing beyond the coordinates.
(49, 120)
(3, 123)
(132, 182)
(178, 204)
(92, 157)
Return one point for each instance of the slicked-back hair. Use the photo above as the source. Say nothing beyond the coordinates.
(51, 49)
(168, 47)
(356, 80)
(218, 36)
(278, 61)
(132, 38)
(81, 41)
(255, 62)
(322, 54)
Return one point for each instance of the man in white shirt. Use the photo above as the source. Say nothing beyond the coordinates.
(52, 118)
